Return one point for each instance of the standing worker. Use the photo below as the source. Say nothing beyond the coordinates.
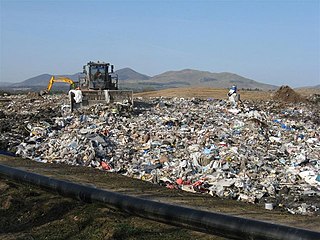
(75, 96)
(233, 96)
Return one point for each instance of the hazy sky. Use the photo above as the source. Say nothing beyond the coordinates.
(276, 42)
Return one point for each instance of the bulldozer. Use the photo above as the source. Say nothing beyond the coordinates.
(99, 84)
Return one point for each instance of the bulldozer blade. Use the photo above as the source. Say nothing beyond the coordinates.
(93, 97)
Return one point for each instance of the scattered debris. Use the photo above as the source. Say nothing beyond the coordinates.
(264, 153)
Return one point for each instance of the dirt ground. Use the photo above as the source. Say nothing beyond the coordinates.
(205, 93)
(28, 212)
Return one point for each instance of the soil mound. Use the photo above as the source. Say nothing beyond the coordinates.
(287, 94)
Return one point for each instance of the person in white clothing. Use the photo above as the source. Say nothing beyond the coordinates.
(77, 95)
(233, 96)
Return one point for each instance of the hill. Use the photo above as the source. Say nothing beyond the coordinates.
(316, 87)
(190, 77)
(130, 74)
(41, 80)
(130, 79)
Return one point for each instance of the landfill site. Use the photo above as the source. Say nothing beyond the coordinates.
(258, 159)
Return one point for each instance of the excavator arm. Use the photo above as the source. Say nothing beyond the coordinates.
(50, 84)
(59, 79)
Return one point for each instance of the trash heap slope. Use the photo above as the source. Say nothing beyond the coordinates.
(261, 152)
(287, 94)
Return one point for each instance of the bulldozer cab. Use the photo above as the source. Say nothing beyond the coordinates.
(98, 76)
(99, 85)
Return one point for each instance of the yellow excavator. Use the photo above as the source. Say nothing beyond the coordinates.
(59, 79)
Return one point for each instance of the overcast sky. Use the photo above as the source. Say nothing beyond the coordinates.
(275, 42)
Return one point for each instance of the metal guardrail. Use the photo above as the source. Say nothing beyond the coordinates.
(198, 220)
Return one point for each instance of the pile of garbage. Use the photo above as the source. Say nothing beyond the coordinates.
(287, 94)
(259, 153)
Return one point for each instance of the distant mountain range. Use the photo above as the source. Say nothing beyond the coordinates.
(130, 79)
(195, 78)
(41, 81)
(308, 87)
